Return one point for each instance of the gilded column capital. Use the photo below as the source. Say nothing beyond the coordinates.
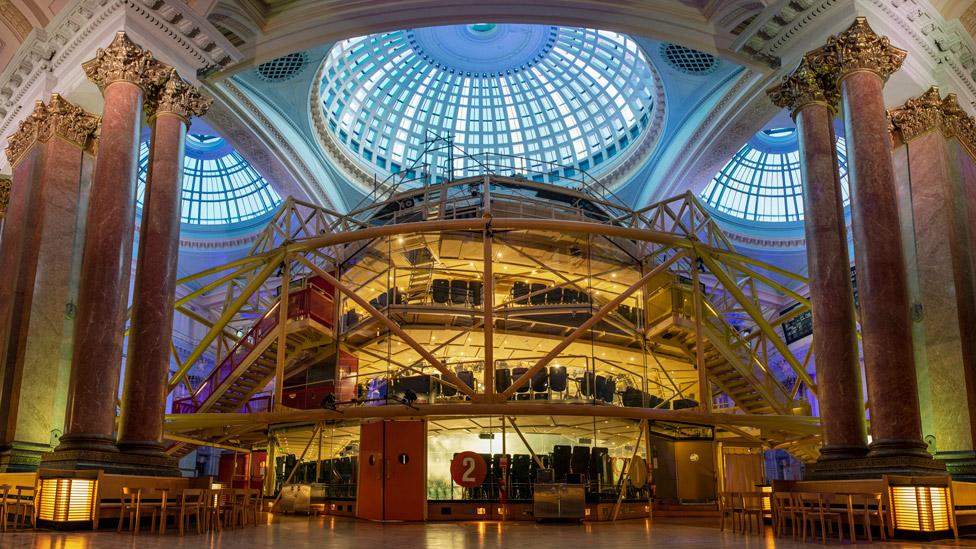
(917, 116)
(957, 123)
(4, 195)
(859, 48)
(57, 118)
(178, 97)
(125, 61)
(807, 84)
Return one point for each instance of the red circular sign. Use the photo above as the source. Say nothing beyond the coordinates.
(468, 469)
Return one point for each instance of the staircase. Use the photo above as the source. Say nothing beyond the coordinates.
(422, 262)
(250, 365)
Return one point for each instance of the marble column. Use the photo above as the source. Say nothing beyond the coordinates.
(932, 136)
(39, 253)
(150, 335)
(123, 72)
(862, 61)
(811, 99)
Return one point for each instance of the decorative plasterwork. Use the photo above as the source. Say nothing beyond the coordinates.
(930, 111)
(14, 19)
(45, 51)
(177, 97)
(859, 48)
(4, 195)
(773, 33)
(803, 86)
(57, 118)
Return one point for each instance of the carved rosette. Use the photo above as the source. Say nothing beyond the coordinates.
(930, 111)
(859, 48)
(125, 61)
(58, 118)
(805, 85)
(178, 97)
(4, 195)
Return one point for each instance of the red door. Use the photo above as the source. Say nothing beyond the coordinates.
(393, 470)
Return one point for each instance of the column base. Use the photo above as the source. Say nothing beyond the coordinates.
(873, 467)
(899, 448)
(142, 447)
(961, 465)
(22, 457)
(81, 452)
(840, 452)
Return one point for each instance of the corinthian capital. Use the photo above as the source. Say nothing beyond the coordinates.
(859, 48)
(125, 61)
(58, 118)
(178, 97)
(918, 115)
(4, 195)
(807, 84)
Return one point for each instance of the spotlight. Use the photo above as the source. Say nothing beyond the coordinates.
(409, 397)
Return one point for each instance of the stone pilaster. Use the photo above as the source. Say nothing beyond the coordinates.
(39, 254)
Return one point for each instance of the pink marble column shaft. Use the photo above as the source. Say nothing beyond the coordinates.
(832, 303)
(104, 284)
(881, 279)
(150, 335)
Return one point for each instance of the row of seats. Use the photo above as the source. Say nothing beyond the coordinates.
(457, 291)
(525, 293)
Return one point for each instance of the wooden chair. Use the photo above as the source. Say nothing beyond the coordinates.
(785, 509)
(866, 506)
(193, 503)
(23, 506)
(132, 508)
(728, 508)
(167, 507)
(752, 506)
(219, 508)
(815, 508)
(4, 495)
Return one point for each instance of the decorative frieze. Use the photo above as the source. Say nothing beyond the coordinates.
(125, 61)
(858, 48)
(806, 84)
(57, 118)
(930, 111)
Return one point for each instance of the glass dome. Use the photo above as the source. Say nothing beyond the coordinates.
(569, 99)
(761, 182)
(219, 186)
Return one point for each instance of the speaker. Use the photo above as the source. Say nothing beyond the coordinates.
(503, 379)
(558, 379)
(561, 456)
(540, 380)
(441, 290)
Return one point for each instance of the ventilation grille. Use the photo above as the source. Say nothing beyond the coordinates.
(687, 60)
(282, 68)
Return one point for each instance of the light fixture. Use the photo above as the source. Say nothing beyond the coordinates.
(68, 498)
(920, 504)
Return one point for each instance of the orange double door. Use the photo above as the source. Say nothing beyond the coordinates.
(392, 470)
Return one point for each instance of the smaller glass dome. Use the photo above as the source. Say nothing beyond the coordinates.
(761, 182)
(220, 187)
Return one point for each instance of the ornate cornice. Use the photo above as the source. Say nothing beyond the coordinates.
(57, 118)
(805, 85)
(125, 61)
(859, 48)
(930, 111)
(4, 195)
(177, 97)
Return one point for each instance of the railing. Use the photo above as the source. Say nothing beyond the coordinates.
(309, 302)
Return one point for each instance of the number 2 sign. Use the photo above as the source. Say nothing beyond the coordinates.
(468, 469)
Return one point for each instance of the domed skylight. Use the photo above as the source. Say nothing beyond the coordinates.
(569, 99)
(219, 186)
(762, 181)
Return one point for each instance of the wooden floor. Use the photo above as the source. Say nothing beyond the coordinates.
(296, 532)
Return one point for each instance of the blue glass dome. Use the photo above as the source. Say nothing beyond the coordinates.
(219, 186)
(566, 98)
(761, 182)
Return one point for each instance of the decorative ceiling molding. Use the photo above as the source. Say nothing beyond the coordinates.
(13, 19)
(45, 51)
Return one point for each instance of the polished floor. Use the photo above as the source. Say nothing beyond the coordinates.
(297, 532)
